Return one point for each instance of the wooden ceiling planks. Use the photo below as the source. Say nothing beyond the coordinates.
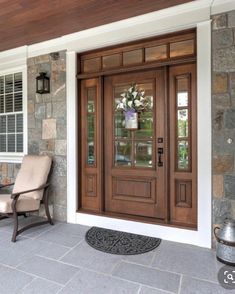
(24, 22)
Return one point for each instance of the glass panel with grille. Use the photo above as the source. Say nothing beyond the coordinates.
(183, 123)
(134, 148)
(11, 113)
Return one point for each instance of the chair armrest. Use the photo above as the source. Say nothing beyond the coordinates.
(7, 185)
(16, 195)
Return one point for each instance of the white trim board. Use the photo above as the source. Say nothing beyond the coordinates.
(154, 23)
(201, 237)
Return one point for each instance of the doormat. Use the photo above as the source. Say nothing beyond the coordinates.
(116, 242)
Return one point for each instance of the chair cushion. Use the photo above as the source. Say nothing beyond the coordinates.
(33, 174)
(23, 204)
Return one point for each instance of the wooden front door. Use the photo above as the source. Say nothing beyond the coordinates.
(135, 160)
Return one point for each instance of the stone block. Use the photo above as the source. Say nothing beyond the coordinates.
(34, 134)
(59, 109)
(223, 163)
(224, 59)
(60, 194)
(49, 129)
(60, 166)
(38, 98)
(217, 119)
(41, 59)
(31, 121)
(33, 147)
(218, 186)
(222, 38)
(60, 147)
(50, 145)
(61, 129)
(58, 65)
(229, 118)
(229, 186)
(231, 19)
(220, 83)
(219, 21)
(40, 111)
(31, 108)
(60, 213)
(49, 110)
(220, 143)
(232, 83)
(59, 93)
(221, 210)
(221, 100)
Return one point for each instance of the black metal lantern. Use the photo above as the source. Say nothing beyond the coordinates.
(42, 83)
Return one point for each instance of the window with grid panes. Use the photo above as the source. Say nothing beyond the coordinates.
(11, 113)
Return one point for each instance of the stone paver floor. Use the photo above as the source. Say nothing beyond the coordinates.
(56, 259)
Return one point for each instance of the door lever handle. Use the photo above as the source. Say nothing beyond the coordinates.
(160, 152)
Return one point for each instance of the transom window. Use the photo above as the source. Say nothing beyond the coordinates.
(11, 113)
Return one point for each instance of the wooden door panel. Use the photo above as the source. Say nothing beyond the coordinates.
(91, 152)
(141, 189)
(133, 189)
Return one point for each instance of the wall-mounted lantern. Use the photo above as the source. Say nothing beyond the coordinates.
(42, 83)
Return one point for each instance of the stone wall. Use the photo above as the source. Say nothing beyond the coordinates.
(223, 112)
(47, 123)
(47, 127)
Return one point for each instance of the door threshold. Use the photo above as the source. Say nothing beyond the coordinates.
(137, 218)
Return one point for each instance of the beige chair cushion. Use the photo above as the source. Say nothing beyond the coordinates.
(32, 174)
(23, 204)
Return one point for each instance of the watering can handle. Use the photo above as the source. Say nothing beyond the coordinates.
(222, 241)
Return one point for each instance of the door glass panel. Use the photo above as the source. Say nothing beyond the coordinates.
(120, 130)
(111, 61)
(91, 65)
(183, 154)
(183, 123)
(182, 48)
(91, 93)
(90, 139)
(122, 153)
(155, 53)
(91, 118)
(143, 154)
(133, 57)
(145, 126)
(182, 99)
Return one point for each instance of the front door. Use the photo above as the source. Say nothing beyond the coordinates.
(135, 161)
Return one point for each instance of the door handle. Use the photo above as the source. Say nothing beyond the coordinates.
(160, 152)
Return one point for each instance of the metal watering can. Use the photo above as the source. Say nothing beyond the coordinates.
(225, 236)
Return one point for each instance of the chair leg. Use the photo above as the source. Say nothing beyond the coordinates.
(15, 231)
(46, 205)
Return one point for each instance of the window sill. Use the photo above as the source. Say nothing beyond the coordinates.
(11, 157)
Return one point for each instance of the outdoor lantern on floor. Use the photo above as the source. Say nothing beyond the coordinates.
(42, 83)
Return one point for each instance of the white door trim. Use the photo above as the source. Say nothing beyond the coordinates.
(201, 237)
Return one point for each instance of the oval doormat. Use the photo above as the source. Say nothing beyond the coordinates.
(116, 242)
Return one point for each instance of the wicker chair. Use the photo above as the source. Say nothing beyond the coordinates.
(30, 190)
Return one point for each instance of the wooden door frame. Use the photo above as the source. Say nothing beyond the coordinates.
(143, 67)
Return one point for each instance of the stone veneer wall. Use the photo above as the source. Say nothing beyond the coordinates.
(47, 127)
(223, 111)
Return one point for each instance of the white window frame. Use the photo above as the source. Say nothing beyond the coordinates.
(16, 157)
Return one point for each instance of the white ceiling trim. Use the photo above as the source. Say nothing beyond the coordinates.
(151, 24)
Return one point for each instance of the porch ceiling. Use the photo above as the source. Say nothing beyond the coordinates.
(24, 22)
